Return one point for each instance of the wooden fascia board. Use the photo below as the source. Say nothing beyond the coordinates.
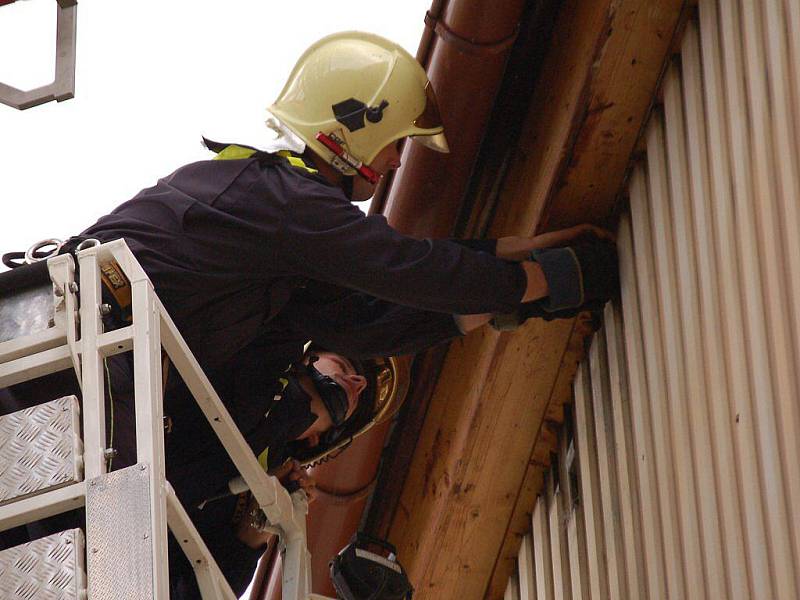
(464, 480)
(544, 445)
(465, 498)
(592, 103)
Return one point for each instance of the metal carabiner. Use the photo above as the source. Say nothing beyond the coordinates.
(87, 243)
(31, 253)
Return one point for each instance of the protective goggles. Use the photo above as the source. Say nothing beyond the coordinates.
(333, 396)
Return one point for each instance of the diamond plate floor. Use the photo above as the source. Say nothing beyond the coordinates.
(37, 448)
(50, 568)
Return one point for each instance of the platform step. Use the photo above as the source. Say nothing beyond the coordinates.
(50, 568)
(40, 449)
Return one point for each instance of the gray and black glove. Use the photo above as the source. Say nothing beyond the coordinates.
(579, 278)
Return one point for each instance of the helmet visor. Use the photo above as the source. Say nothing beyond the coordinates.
(430, 118)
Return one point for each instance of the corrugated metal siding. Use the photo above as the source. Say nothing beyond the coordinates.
(678, 474)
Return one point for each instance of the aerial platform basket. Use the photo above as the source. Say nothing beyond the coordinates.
(49, 323)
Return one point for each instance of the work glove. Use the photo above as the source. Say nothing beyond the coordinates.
(580, 277)
(535, 310)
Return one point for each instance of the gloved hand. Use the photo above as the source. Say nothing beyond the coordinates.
(534, 310)
(578, 274)
(580, 277)
(298, 478)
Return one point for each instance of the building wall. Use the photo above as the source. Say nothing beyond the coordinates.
(678, 474)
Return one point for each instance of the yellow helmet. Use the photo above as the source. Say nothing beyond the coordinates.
(351, 94)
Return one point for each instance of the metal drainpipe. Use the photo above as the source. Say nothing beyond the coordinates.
(423, 54)
(465, 60)
(464, 47)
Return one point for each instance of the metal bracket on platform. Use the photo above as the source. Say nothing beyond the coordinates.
(63, 86)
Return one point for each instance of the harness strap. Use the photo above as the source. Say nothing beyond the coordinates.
(116, 288)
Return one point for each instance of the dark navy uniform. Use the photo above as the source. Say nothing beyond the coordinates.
(358, 325)
(225, 243)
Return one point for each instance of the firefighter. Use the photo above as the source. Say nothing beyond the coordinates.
(303, 413)
(226, 242)
(311, 412)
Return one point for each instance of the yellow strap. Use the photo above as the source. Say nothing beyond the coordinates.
(296, 161)
(235, 153)
(262, 458)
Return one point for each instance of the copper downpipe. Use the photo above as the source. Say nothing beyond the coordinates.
(465, 60)
(344, 485)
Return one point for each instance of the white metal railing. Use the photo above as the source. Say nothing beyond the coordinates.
(63, 85)
(152, 329)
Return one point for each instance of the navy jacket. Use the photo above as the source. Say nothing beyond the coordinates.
(226, 242)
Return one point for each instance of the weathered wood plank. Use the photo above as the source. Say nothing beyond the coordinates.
(472, 465)
(586, 117)
(519, 523)
(468, 468)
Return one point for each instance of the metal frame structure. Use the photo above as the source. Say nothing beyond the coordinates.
(60, 347)
(63, 85)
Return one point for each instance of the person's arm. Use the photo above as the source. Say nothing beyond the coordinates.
(489, 246)
(518, 248)
(358, 325)
(330, 240)
(362, 326)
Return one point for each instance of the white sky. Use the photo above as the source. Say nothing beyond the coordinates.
(152, 77)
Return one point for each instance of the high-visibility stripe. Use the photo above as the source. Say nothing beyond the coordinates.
(234, 152)
(263, 458)
(296, 161)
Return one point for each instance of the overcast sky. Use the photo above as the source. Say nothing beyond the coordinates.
(152, 77)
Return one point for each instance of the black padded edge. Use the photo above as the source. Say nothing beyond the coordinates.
(24, 277)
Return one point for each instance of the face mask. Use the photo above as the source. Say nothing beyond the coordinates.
(334, 398)
(291, 415)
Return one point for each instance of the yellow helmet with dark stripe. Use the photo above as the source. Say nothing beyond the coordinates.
(364, 92)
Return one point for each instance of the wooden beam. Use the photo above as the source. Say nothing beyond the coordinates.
(588, 111)
(472, 456)
(471, 477)
(519, 522)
